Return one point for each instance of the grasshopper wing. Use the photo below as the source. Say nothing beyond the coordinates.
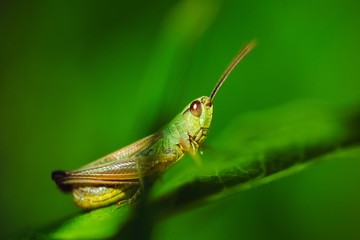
(113, 172)
(123, 171)
(127, 151)
(115, 168)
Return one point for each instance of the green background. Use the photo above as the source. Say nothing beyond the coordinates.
(81, 79)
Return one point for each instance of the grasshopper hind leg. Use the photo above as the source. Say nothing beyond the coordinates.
(131, 200)
(91, 197)
(136, 195)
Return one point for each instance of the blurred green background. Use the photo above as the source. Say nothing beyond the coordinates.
(81, 79)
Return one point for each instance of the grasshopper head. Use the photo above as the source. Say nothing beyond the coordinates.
(198, 115)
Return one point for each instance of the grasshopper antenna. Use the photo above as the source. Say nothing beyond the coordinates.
(243, 52)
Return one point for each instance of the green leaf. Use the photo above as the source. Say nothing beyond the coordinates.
(253, 149)
(99, 223)
(257, 148)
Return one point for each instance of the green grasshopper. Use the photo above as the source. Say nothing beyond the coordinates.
(117, 177)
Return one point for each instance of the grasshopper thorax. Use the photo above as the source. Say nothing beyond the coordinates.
(197, 116)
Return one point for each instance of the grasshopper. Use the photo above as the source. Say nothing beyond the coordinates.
(118, 177)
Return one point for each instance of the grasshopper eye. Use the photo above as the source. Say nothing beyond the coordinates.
(195, 108)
